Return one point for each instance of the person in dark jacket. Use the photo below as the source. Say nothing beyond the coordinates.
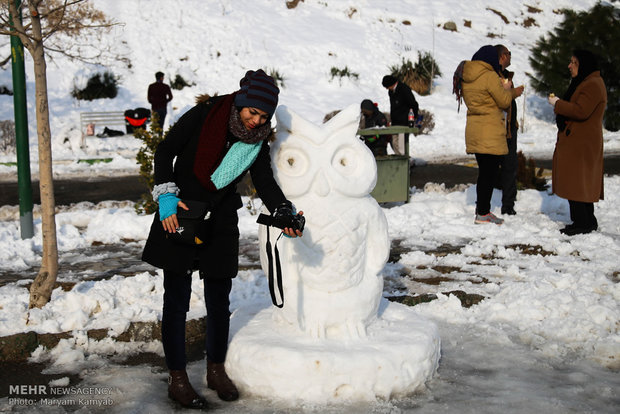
(508, 165)
(372, 117)
(401, 100)
(214, 143)
(159, 94)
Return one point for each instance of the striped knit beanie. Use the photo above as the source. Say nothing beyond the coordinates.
(258, 90)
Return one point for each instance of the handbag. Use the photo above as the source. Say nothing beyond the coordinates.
(194, 224)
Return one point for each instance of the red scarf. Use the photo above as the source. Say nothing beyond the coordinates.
(212, 142)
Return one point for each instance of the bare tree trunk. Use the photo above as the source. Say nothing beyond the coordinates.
(41, 289)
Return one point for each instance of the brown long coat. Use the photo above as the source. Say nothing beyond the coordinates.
(578, 157)
(486, 100)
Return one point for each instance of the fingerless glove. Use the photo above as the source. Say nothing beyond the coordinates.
(167, 205)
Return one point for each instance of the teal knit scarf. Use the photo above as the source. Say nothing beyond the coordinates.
(238, 159)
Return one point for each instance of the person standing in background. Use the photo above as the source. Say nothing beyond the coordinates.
(159, 94)
(401, 102)
(508, 165)
(487, 98)
(577, 172)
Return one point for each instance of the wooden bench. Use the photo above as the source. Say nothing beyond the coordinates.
(102, 119)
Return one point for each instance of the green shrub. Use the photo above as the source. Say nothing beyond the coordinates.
(277, 76)
(597, 30)
(145, 158)
(418, 77)
(343, 73)
(100, 85)
(428, 122)
(528, 175)
(179, 83)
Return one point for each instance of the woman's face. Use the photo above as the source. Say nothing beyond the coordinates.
(573, 66)
(253, 117)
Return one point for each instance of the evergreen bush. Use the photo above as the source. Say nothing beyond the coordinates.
(100, 85)
(528, 176)
(343, 73)
(428, 122)
(418, 77)
(4, 90)
(597, 30)
(145, 159)
(277, 76)
(179, 83)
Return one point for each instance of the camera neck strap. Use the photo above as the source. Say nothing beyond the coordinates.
(278, 270)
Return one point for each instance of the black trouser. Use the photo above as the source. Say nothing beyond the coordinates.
(162, 112)
(582, 214)
(488, 166)
(177, 292)
(508, 173)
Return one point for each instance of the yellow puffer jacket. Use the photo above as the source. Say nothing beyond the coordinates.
(486, 101)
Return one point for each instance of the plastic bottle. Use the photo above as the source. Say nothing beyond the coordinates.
(410, 118)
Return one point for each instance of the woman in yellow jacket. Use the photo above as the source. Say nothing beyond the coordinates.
(487, 98)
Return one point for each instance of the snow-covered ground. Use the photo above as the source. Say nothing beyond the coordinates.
(544, 339)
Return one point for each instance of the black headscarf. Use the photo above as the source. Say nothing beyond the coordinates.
(488, 54)
(587, 64)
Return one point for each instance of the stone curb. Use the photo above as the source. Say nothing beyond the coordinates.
(19, 347)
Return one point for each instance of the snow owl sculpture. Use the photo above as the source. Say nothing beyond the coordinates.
(331, 281)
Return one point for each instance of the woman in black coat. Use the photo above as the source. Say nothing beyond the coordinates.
(214, 143)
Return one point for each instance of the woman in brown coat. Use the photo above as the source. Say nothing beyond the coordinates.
(578, 157)
(487, 98)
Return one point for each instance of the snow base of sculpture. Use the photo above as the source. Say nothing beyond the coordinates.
(269, 359)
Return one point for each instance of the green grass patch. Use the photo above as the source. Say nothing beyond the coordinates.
(91, 161)
(9, 164)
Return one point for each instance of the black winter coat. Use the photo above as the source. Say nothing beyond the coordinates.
(218, 256)
(377, 119)
(401, 99)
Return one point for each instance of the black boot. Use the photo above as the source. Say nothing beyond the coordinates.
(181, 391)
(218, 380)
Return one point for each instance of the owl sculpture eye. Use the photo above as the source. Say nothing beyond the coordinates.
(346, 161)
(292, 162)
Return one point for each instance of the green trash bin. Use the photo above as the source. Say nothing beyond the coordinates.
(392, 170)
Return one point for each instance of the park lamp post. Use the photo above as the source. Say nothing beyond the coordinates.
(21, 135)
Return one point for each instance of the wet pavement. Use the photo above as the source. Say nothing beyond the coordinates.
(97, 188)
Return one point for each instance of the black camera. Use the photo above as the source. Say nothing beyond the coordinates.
(295, 222)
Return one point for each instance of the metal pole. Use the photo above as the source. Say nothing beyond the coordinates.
(21, 135)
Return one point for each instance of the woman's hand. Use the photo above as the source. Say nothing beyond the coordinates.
(552, 99)
(293, 233)
(171, 223)
(519, 91)
(507, 84)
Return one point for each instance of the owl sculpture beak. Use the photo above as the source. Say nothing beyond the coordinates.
(321, 186)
